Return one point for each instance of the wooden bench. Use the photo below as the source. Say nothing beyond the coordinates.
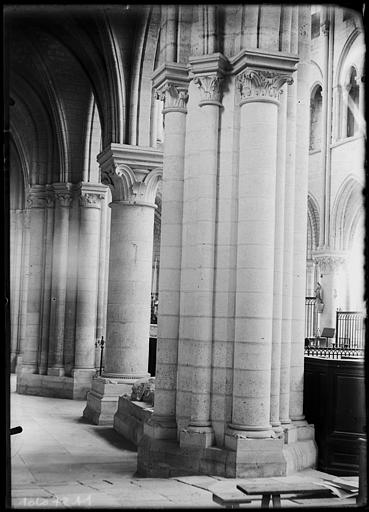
(273, 488)
(230, 499)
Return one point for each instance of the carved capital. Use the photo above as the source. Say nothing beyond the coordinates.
(174, 97)
(131, 187)
(37, 197)
(324, 28)
(90, 199)
(210, 89)
(329, 263)
(303, 31)
(64, 199)
(63, 194)
(259, 85)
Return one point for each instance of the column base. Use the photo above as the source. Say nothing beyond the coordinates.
(82, 380)
(57, 386)
(102, 399)
(202, 437)
(158, 458)
(56, 372)
(161, 427)
(23, 368)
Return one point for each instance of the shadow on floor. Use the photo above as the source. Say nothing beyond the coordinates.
(113, 438)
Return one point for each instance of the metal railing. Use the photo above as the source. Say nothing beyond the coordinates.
(349, 341)
(334, 353)
(350, 330)
(311, 317)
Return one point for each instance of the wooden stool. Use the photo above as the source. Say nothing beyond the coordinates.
(230, 499)
(273, 488)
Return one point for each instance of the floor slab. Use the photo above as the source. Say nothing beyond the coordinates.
(62, 461)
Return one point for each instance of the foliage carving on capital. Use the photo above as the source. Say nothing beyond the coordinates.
(173, 96)
(210, 88)
(254, 83)
(64, 198)
(329, 263)
(303, 30)
(91, 199)
(127, 186)
(324, 28)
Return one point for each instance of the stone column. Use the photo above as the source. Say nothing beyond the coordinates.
(129, 288)
(36, 202)
(198, 256)
(48, 248)
(300, 217)
(259, 88)
(87, 286)
(284, 396)
(345, 95)
(24, 288)
(324, 206)
(103, 271)
(171, 83)
(16, 235)
(278, 263)
(361, 107)
(63, 197)
(171, 33)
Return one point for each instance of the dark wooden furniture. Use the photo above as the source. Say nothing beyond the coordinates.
(274, 487)
(362, 498)
(230, 499)
(334, 401)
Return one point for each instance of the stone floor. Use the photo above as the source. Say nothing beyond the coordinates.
(61, 461)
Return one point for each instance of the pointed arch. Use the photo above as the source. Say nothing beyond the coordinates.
(92, 143)
(343, 56)
(346, 212)
(313, 223)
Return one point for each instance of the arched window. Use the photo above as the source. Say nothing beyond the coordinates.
(352, 103)
(316, 119)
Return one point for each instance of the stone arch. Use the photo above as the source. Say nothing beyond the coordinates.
(57, 115)
(315, 117)
(32, 131)
(346, 212)
(93, 142)
(353, 101)
(317, 72)
(18, 182)
(351, 57)
(344, 54)
(312, 225)
(146, 57)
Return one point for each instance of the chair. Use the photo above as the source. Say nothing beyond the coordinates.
(327, 333)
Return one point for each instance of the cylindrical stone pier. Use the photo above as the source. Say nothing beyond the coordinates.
(87, 280)
(49, 227)
(278, 263)
(198, 302)
(59, 278)
(36, 202)
(255, 267)
(174, 93)
(284, 395)
(128, 313)
(300, 218)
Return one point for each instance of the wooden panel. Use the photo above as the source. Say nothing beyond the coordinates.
(334, 401)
